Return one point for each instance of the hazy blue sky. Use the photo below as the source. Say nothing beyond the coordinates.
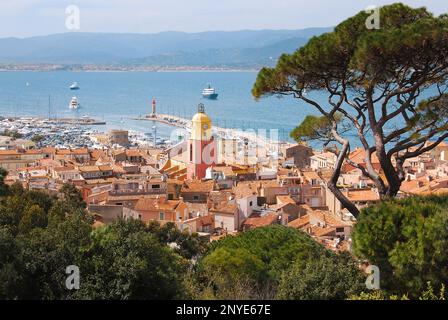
(22, 18)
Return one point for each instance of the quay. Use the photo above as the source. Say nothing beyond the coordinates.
(69, 121)
(250, 136)
(82, 121)
(167, 119)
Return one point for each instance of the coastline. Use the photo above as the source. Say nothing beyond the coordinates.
(148, 69)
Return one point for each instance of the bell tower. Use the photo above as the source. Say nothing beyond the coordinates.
(201, 145)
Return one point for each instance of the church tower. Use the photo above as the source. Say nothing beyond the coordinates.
(201, 145)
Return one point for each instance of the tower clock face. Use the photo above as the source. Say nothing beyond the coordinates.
(205, 126)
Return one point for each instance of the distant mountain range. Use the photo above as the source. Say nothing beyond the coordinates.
(241, 49)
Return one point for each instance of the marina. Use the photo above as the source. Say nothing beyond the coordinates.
(60, 133)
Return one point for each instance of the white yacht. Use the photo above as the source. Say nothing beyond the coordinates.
(74, 86)
(74, 103)
(209, 93)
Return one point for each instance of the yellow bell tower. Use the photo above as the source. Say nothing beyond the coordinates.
(201, 125)
(201, 145)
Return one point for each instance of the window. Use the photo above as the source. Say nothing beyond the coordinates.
(250, 203)
(195, 197)
(339, 229)
(156, 186)
(161, 216)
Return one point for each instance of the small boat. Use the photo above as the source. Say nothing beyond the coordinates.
(209, 93)
(74, 103)
(74, 86)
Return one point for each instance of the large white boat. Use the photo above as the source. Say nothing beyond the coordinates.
(74, 86)
(209, 93)
(74, 103)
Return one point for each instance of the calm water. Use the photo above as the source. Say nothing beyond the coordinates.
(116, 97)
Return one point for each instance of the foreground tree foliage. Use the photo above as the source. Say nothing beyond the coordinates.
(408, 240)
(125, 261)
(263, 264)
(428, 294)
(40, 235)
(374, 82)
(329, 277)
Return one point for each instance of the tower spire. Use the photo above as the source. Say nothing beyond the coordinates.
(201, 108)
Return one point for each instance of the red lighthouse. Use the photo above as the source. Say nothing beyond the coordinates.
(153, 113)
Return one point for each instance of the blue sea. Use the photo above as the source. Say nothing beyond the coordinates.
(118, 97)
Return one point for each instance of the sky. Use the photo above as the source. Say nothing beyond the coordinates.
(25, 18)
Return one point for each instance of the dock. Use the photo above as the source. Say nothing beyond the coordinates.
(228, 133)
(82, 122)
(168, 120)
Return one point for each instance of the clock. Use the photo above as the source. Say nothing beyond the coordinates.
(205, 126)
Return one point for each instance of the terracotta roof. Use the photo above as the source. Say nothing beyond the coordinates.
(310, 175)
(359, 154)
(318, 217)
(256, 222)
(270, 184)
(88, 168)
(63, 151)
(105, 168)
(424, 186)
(227, 170)
(322, 231)
(33, 151)
(300, 222)
(219, 196)
(227, 208)
(245, 189)
(9, 152)
(95, 168)
(133, 153)
(97, 154)
(80, 151)
(285, 200)
(50, 150)
(65, 168)
(191, 207)
(361, 195)
(156, 204)
(198, 186)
